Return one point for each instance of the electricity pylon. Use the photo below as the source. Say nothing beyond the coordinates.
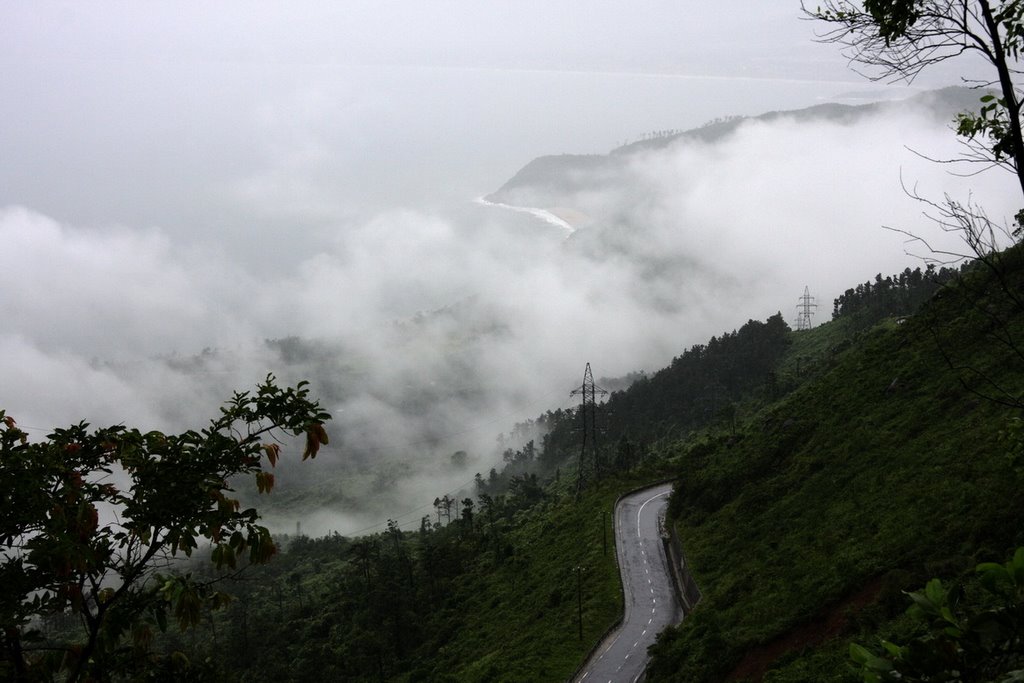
(588, 414)
(805, 311)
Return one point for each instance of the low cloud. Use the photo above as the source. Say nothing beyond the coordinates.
(428, 332)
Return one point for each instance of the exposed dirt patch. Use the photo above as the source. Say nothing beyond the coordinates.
(828, 625)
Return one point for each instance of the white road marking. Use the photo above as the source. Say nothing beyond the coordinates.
(615, 640)
(644, 504)
(643, 551)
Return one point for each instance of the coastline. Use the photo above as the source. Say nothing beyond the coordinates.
(543, 214)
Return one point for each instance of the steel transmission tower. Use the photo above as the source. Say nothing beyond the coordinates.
(588, 412)
(805, 309)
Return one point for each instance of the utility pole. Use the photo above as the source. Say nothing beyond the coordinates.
(578, 571)
(604, 532)
(805, 310)
(588, 414)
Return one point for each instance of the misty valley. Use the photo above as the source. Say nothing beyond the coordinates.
(407, 394)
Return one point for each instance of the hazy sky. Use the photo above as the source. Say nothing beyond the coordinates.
(233, 121)
(729, 38)
(182, 175)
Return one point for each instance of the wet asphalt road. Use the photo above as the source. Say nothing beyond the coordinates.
(650, 603)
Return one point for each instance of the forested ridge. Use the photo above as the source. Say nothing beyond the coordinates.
(898, 463)
(892, 295)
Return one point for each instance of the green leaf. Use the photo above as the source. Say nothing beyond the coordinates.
(893, 649)
(922, 603)
(994, 577)
(935, 592)
(859, 653)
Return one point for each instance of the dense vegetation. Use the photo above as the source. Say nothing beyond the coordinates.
(700, 386)
(892, 295)
(891, 466)
(490, 595)
(91, 521)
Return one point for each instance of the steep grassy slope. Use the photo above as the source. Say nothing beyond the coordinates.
(885, 468)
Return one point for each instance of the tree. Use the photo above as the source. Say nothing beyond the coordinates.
(964, 640)
(898, 39)
(467, 515)
(89, 518)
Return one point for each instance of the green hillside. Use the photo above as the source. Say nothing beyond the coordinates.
(887, 468)
(489, 596)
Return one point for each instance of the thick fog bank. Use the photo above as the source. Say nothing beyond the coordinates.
(429, 331)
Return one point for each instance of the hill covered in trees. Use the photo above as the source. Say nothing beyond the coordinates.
(899, 461)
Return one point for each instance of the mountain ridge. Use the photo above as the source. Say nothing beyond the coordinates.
(550, 180)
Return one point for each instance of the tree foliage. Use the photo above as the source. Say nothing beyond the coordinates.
(698, 389)
(90, 520)
(963, 640)
(898, 39)
(894, 295)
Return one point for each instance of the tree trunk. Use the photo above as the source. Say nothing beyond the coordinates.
(1013, 105)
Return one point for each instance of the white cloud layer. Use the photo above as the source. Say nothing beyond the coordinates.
(744, 224)
(180, 182)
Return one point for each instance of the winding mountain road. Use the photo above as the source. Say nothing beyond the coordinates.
(650, 601)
